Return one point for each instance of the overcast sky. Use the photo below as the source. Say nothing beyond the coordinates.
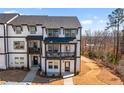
(90, 18)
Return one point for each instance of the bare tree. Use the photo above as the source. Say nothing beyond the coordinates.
(115, 19)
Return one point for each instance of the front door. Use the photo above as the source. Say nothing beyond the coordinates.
(35, 60)
(67, 66)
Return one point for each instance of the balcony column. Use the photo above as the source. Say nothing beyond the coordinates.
(40, 56)
(27, 54)
(75, 58)
(60, 58)
(45, 61)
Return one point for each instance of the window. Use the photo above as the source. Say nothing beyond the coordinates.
(50, 65)
(18, 29)
(53, 47)
(19, 60)
(67, 48)
(32, 29)
(53, 32)
(70, 32)
(16, 60)
(55, 65)
(18, 44)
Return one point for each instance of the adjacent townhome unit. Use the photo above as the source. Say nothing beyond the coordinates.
(51, 43)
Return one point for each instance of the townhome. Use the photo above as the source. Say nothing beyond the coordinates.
(51, 43)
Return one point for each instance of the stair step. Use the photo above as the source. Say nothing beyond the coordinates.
(69, 75)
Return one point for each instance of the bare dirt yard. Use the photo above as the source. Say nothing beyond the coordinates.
(12, 75)
(92, 74)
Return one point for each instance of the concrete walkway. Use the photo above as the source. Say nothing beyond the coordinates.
(31, 75)
(68, 81)
(16, 83)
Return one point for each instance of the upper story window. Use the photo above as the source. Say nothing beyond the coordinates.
(18, 29)
(70, 32)
(19, 44)
(53, 48)
(32, 29)
(53, 32)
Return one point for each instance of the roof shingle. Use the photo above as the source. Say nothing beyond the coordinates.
(48, 21)
(6, 17)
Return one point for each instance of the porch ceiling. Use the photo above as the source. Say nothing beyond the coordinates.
(59, 39)
(34, 37)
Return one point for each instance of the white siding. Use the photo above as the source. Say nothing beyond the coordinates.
(43, 64)
(78, 48)
(44, 32)
(12, 60)
(78, 64)
(2, 45)
(1, 30)
(43, 49)
(61, 32)
(78, 35)
(2, 62)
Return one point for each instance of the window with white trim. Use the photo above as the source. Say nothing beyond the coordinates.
(55, 65)
(32, 29)
(16, 60)
(70, 32)
(19, 60)
(19, 44)
(18, 29)
(50, 65)
(53, 32)
(53, 47)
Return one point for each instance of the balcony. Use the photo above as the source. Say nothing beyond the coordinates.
(60, 54)
(34, 50)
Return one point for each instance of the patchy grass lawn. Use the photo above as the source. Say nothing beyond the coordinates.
(12, 75)
(77, 80)
(47, 81)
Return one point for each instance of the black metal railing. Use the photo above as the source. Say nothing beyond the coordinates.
(60, 54)
(34, 50)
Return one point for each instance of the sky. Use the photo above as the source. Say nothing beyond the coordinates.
(90, 18)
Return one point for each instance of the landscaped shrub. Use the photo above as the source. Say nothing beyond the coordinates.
(92, 54)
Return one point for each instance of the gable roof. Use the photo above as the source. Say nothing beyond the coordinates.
(62, 21)
(48, 21)
(6, 17)
(29, 20)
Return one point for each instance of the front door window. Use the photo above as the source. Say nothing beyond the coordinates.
(35, 60)
(67, 66)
